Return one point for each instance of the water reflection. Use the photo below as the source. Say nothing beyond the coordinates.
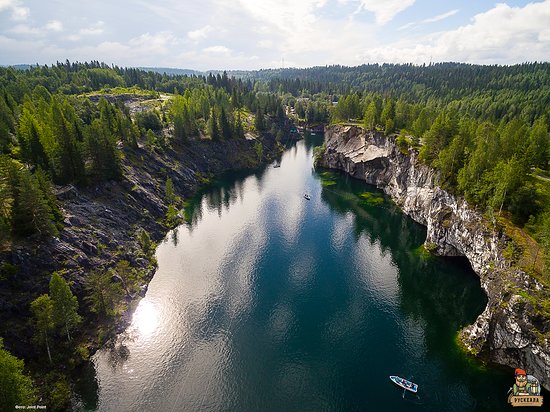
(145, 319)
(267, 301)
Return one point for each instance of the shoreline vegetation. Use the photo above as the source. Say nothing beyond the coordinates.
(97, 162)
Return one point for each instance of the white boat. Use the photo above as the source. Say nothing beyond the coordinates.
(405, 384)
(307, 196)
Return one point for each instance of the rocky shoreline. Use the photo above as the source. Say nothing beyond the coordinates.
(102, 223)
(508, 332)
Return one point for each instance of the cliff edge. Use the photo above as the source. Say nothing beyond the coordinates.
(509, 331)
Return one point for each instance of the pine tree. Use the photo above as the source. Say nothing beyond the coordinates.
(103, 294)
(28, 133)
(102, 151)
(259, 121)
(42, 310)
(31, 212)
(225, 126)
(239, 132)
(68, 163)
(170, 194)
(65, 305)
(213, 129)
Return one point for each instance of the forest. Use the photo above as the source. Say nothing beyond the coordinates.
(485, 128)
(71, 124)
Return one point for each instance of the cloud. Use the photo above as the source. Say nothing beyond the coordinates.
(94, 30)
(503, 35)
(54, 25)
(217, 50)
(385, 10)
(24, 29)
(18, 13)
(286, 15)
(158, 43)
(434, 19)
(201, 33)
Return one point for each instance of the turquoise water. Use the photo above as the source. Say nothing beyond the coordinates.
(266, 301)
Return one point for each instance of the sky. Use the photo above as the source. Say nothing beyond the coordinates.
(256, 34)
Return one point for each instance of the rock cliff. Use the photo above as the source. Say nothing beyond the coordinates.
(102, 224)
(508, 332)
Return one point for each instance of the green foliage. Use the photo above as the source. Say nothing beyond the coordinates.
(147, 244)
(370, 118)
(43, 321)
(149, 120)
(128, 276)
(65, 305)
(103, 294)
(31, 212)
(169, 193)
(259, 148)
(58, 392)
(16, 388)
(259, 121)
(172, 216)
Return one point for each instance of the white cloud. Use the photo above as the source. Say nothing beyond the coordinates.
(286, 15)
(201, 33)
(54, 25)
(440, 16)
(94, 30)
(158, 43)
(384, 10)
(18, 13)
(503, 34)
(434, 19)
(217, 50)
(24, 29)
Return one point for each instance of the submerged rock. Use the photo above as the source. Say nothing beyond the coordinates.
(508, 331)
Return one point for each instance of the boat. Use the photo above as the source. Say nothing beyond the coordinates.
(307, 196)
(405, 384)
(277, 165)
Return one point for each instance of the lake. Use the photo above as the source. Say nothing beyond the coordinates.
(267, 301)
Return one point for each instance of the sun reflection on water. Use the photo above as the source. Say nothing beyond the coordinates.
(146, 319)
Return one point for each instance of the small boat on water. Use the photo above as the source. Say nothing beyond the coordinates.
(405, 384)
(306, 196)
(277, 165)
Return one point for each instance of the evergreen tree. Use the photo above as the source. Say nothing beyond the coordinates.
(128, 276)
(170, 194)
(42, 310)
(6, 197)
(239, 132)
(225, 126)
(31, 212)
(65, 305)
(259, 121)
(103, 294)
(68, 163)
(538, 149)
(369, 119)
(28, 133)
(388, 112)
(102, 151)
(213, 129)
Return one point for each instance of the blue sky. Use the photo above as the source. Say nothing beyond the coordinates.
(253, 34)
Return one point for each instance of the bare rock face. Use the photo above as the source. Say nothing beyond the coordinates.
(508, 331)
